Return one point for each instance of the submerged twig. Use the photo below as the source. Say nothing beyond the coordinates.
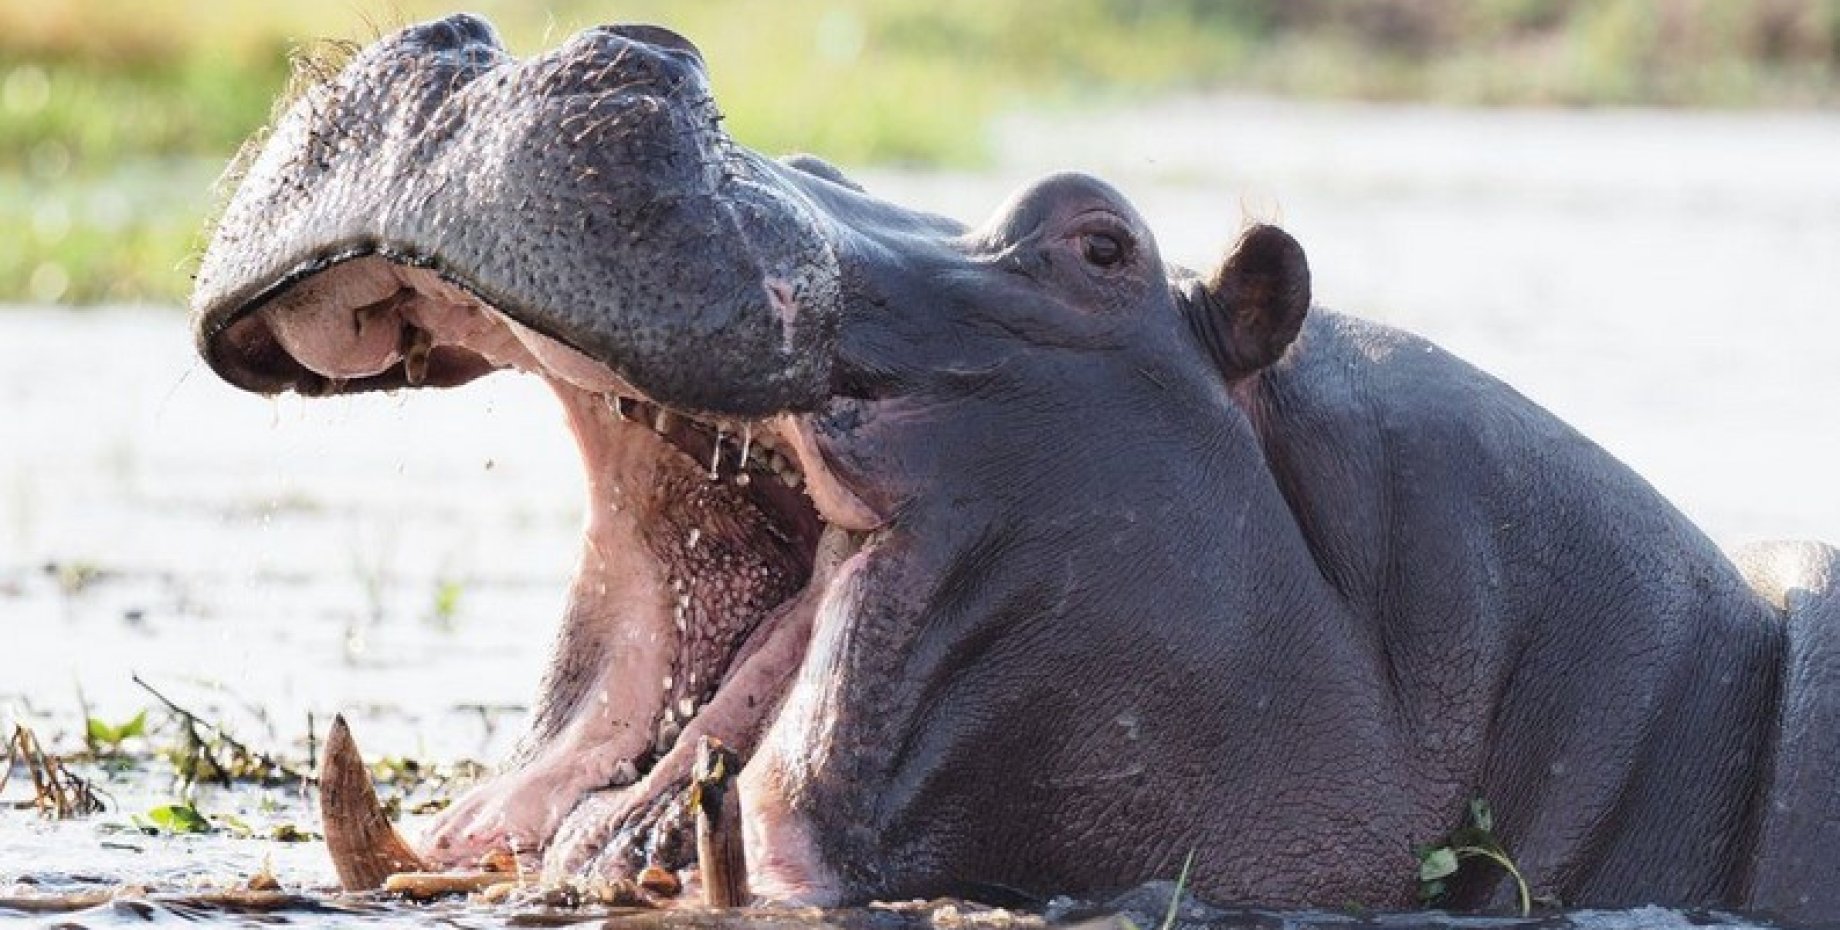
(426, 886)
(230, 902)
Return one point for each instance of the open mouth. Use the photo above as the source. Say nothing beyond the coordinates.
(708, 544)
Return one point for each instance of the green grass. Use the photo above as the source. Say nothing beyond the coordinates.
(115, 116)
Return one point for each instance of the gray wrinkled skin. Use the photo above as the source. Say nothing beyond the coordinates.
(1164, 563)
(568, 191)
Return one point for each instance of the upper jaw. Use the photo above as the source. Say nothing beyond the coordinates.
(588, 193)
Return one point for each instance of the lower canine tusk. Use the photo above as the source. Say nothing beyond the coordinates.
(717, 800)
(365, 847)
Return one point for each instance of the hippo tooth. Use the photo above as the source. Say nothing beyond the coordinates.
(791, 478)
(686, 707)
(661, 421)
(365, 848)
(742, 479)
(715, 459)
(618, 405)
(415, 358)
(623, 774)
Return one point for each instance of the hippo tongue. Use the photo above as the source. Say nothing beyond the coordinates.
(588, 193)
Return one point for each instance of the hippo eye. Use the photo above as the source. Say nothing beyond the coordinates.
(1102, 248)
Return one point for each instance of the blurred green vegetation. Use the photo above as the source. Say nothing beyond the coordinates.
(115, 116)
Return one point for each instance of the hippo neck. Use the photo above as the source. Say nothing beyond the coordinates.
(1392, 454)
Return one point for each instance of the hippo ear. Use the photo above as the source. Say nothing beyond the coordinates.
(1253, 305)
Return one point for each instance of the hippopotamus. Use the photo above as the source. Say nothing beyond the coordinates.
(1012, 559)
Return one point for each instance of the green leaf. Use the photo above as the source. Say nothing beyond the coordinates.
(1481, 815)
(136, 726)
(288, 833)
(1437, 863)
(102, 734)
(179, 818)
(447, 600)
(235, 825)
(1430, 891)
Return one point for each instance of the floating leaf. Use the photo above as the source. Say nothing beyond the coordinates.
(179, 818)
(288, 833)
(235, 825)
(1437, 863)
(1481, 815)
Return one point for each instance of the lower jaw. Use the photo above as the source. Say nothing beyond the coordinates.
(739, 715)
(560, 799)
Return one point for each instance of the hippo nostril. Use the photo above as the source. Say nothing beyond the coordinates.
(455, 32)
(658, 36)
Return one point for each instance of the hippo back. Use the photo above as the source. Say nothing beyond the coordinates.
(1798, 851)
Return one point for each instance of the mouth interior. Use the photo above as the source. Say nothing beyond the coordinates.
(701, 532)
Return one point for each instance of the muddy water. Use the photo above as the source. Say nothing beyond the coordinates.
(1664, 282)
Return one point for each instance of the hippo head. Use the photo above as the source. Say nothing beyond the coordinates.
(854, 470)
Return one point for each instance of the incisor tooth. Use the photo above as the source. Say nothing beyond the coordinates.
(662, 421)
(415, 359)
(668, 731)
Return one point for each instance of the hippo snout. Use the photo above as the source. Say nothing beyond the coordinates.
(456, 33)
(589, 194)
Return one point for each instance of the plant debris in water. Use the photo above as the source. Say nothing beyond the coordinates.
(219, 758)
(57, 792)
(1474, 840)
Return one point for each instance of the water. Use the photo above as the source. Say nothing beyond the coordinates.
(1665, 282)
